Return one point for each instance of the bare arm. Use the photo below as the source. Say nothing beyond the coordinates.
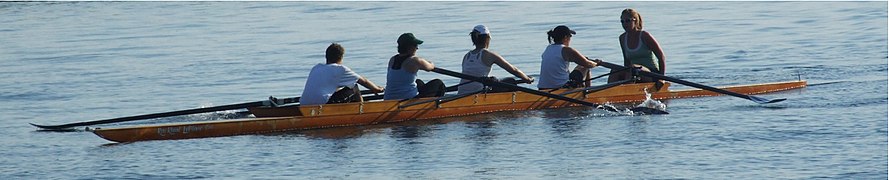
(423, 64)
(572, 55)
(583, 64)
(656, 48)
(497, 59)
(369, 85)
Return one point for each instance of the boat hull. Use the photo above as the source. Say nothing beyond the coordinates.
(367, 113)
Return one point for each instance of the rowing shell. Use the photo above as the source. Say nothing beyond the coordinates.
(366, 113)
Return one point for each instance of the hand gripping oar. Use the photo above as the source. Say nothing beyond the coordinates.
(493, 83)
(705, 87)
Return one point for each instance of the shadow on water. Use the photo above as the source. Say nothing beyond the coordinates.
(566, 121)
(483, 130)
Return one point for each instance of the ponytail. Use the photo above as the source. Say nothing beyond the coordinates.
(555, 37)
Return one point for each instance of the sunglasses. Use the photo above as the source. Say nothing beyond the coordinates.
(627, 20)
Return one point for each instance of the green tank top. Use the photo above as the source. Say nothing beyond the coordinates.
(642, 55)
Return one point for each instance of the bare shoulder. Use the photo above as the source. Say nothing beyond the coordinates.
(569, 49)
(647, 35)
(648, 38)
(417, 59)
(491, 53)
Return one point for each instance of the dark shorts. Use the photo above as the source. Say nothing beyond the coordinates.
(508, 80)
(345, 95)
(432, 88)
(575, 80)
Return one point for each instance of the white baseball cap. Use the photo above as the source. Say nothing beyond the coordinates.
(482, 29)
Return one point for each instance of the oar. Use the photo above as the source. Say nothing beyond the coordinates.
(606, 74)
(175, 113)
(592, 89)
(446, 89)
(493, 83)
(441, 99)
(705, 87)
(155, 115)
(446, 99)
(282, 101)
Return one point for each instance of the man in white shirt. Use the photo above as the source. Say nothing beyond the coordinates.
(333, 82)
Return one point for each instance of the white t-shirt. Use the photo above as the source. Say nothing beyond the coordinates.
(323, 81)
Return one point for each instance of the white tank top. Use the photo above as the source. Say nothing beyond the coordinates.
(553, 68)
(474, 66)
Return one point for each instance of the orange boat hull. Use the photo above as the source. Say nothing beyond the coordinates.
(366, 113)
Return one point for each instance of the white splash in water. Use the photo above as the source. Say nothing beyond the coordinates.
(651, 103)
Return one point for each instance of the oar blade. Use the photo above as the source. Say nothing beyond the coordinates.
(43, 126)
(60, 128)
(764, 100)
(647, 110)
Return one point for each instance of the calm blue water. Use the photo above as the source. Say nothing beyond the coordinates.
(77, 61)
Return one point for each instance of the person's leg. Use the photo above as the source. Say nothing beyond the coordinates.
(618, 76)
(433, 88)
(585, 74)
(345, 95)
(643, 79)
(575, 79)
(508, 80)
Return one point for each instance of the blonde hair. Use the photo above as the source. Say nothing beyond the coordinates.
(632, 13)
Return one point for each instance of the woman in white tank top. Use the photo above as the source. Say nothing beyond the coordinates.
(478, 61)
(555, 60)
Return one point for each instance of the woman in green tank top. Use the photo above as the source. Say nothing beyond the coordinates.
(639, 48)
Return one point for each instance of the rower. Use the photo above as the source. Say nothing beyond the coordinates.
(401, 75)
(334, 82)
(478, 62)
(639, 49)
(555, 60)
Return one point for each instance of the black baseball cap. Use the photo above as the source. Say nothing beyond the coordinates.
(562, 29)
(409, 38)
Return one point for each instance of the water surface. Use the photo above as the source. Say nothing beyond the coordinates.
(77, 61)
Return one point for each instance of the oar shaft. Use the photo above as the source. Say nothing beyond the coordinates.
(680, 81)
(155, 115)
(494, 83)
(592, 89)
(490, 82)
